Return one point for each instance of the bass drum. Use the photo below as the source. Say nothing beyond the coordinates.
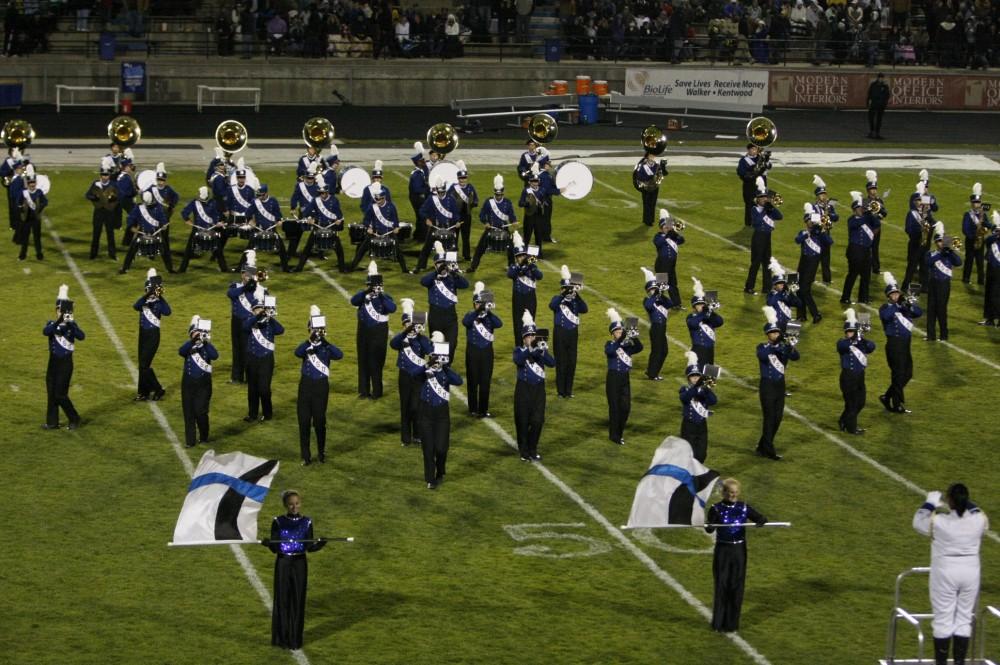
(145, 180)
(574, 179)
(252, 179)
(354, 180)
(447, 171)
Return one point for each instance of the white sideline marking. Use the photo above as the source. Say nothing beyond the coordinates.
(15, 388)
(615, 533)
(248, 568)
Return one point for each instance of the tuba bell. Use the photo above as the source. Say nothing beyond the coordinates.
(17, 134)
(542, 128)
(231, 136)
(318, 133)
(442, 138)
(654, 140)
(762, 132)
(124, 131)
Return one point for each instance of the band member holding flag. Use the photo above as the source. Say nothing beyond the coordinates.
(314, 385)
(62, 333)
(853, 350)
(196, 384)
(696, 396)
(151, 306)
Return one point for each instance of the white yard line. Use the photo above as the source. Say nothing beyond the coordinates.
(161, 419)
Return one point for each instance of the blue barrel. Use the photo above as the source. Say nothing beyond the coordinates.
(588, 109)
(106, 46)
(553, 50)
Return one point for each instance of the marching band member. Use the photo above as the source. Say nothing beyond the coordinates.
(696, 396)
(323, 213)
(533, 201)
(115, 155)
(547, 184)
(729, 561)
(644, 177)
(897, 320)
(148, 218)
(825, 207)
(314, 385)
(854, 351)
(467, 198)
(782, 296)
(33, 203)
(528, 158)
(763, 215)
(956, 537)
(151, 307)
(480, 325)
(15, 188)
(442, 293)
(62, 332)
(306, 190)
(241, 295)
(974, 222)
(657, 304)
(924, 190)
(104, 195)
(219, 184)
(374, 307)
(369, 196)
(667, 243)
(434, 412)
(261, 328)
(167, 199)
(811, 241)
(861, 226)
(871, 188)
(331, 174)
(125, 182)
(524, 275)
(919, 225)
(939, 263)
(381, 219)
(10, 168)
(701, 323)
(412, 348)
(196, 382)
(567, 306)
(773, 357)
(419, 189)
(991, 302)
(531, 357)
(222, 160)
(751, 168)
(439, 212)
(619, 351)
(265, 215)
(309, 161)
(203, 217)
(498, 213)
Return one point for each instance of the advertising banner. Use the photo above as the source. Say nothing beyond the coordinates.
(908, 91)
(734, 89)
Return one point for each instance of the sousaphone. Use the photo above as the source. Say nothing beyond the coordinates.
(231, 136)
(124, 131)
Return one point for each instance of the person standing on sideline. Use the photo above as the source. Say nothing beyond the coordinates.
(62, 333)
(667, 243)
(374, 307)
(151, 306)
(940, 261)
(657, 304)
(531, 358)
(696, 396)
(619, 351)
(773, 357)
(261, 328)
(956, 536)
(897, 320)
(314, 385)
(434, 412)
(853, 350)
(291, 537)
(413, 348)
(196, 383)
(763, 217)
(811, 240)
(524, 275)
(878, 100)
(729, 561)
(480, 325)
(568, 305)
(701, 323)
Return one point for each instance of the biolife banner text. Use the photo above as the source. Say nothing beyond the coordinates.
(730, 88)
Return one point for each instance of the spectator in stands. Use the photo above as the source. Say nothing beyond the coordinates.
(506, 16)
(855, 16)
(873, 41)
(821, 39)
(841, 40)
(277, 32)
(401, 28)
(921, 41)
(901, 13)
(452, 45)
(247, 29)
(677, 32)
(780, 32)
(732, 9)
(82, 8)
(947, 42)
(798, 18)
(224, 33)
(524, 9)
(758, 43)
(11, 24)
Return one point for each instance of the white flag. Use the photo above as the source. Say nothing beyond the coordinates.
(674, 490)
(223, 499)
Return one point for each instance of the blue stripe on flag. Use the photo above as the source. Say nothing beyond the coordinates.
(680, 474)
(249, 490)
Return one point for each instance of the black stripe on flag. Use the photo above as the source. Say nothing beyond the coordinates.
(681, 506)
(232, 502)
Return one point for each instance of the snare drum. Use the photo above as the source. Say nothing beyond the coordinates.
(405, 231)
(149, 245)
(497, 240)
(445, 237)
(246, 231)
(323, 238)
(383, 247)
(231, 230)
(265, 241)
(204, 241)
(357, 233)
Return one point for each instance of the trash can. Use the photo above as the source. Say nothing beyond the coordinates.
(553, 50)
(106, 46)
(588, 109)
(10, 94)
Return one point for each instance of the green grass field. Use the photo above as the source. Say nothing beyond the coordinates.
(505, 563)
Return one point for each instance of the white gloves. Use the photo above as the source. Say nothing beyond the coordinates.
(934, 498)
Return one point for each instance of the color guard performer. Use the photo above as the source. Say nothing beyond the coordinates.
(323, 215)
(381, 219)
(196, 382)
(480, 325)
(567, 307)
(440, 215)
(261, 328)
(104, 195)
(854, 350)
(991, 302)
(875, 201)
(498, 213)
(919, 226)
(773, 357)
(467, 198)
(750, 170)
(696, 396)
(782, 295)
(265, 215)
(33, 204)
(203, 217)
(701, 323)
(413, 348)
(524, 275)
(534, 201)
(975, 227)
(148, 218)
(897, 320)
(442, 293)
(165, 196)
(940, 262)
(531, 358)
(667, 243)
(305, 192)
(861, 226)
(825, 207)
(763, 216)
(127, 190)
(314, 385)
(619, 351)
(434, 413)
(374, 307)
(419, 189)
(370, 194)
(241, 295)
(644, 177)
(811, 240)
(62, 332)
(152, 306)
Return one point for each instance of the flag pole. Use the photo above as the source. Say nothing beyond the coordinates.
(194, 543)
(625, 527)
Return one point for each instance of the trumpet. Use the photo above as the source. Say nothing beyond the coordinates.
(316, 335)
(776, 199)
(532, 260)
(260, 276)
(825, 223)
(874, 206)
(679, 225)
(956, 244)
(454, 269)
(708, 382)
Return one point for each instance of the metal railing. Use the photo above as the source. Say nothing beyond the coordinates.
(912, 618)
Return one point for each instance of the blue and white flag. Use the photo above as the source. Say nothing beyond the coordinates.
(674, 490)
(224, 499)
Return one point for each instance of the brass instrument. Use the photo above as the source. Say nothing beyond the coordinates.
(17, 134)
(761, 131)
(318, 133)
(124, 131)
(654, 140)
(542, 128)
(260, 276)
(956, 244)
(776, 199)
(874, 206)
(981, 232)
(928, 231)
(107, 198)
(231, 136)
(708, 381)
(442, 138)
(679, 225)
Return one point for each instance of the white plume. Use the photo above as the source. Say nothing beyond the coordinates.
(378, 164)
(407, 305)
(775, 267)
(195, 320)
(977, 189)
(925, 175)
(438, 248)
(29, 172)
(518, 240)
(461, 165)
(436, 182)
(664, 214)
(219, 152)
(498, 181)
(699, 290)
(312, 169)
(203, 193)
(996, 218)
(63, 292)
(851, 315)
(534, 169)
(807, 208)
(151, 273)
(647, 274)
(376, 188)
(761, 187)
(128, 154)
(252, 258)
(107, 163)
(855, 197)
(526, 319)
(240, 164)
(939, 228)
(921, 188)
(333, 151)
(372, 268)
(419, 147)
(692, 357)
(871, 175)
(613, 315)
(888, 279)
(478, 288)
(564, 272)
(437, 337)
(161, 167)
(770, 314)
(314, 310)
(818, 182)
